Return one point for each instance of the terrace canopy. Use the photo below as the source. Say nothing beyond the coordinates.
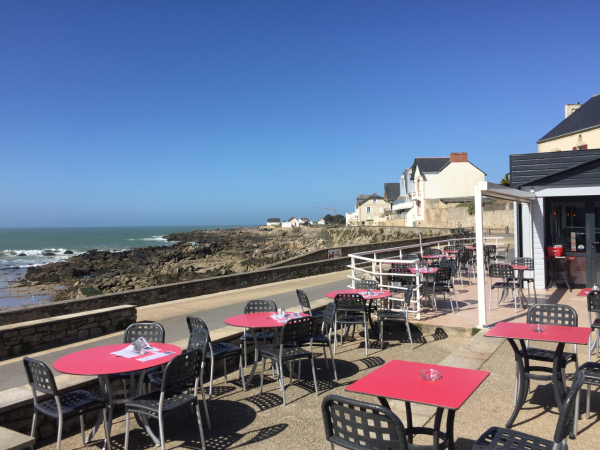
(492, 190)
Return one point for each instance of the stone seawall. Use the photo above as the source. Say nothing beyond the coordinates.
(36, 335)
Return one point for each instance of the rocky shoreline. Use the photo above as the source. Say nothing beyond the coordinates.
(195, 255)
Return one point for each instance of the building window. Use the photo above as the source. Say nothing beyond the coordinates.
(380, 209)
(368, 209)
(374, 200)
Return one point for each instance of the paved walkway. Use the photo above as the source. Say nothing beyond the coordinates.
(212, 308)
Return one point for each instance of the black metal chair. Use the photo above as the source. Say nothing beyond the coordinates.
(504, 255)
(321, 339)
(549, 314)
(591, 373)
(368, 284)
(441, 283)
(508, 283)
(529, 280)
(354, 309)
(410, 256)
(61, 407)
(357, 425)
(294, 331)
(254, 306)
(305, 304)
(199, 339)
(402, 276)
(217, 352)
(497, 438)
(593, 303)
(179, 373)
(392, 314)
(152, 332)
(489, 254)
(432, 251)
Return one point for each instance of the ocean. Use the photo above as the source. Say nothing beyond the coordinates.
(21, 248)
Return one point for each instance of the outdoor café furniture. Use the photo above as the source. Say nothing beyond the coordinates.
(559, 271)
(465, 262)
(321, 339)
(101, 362)
(489, 253)
(401, 380)
(253, 321)
(354, 311)
(353, 424)
(593, 304)
(410, 256)
(401, 276)
(256, 306)
(369, 285)
(391, 314)
(501, 438)
(441, 283)
(216, 352)
(552, 333)
(507, 284)
(305, 304)
(591, 373)
(530, 280)
(374, 296)
(178, 374)
(294, 331)
(431, 251)
(61, 407)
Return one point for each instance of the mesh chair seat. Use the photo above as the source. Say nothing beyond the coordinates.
(505, 285)
(150, 402)
(591, 371)
(595, 324)
(286, 354)
(318, 339)
(318, 314)
(73, 404)
(390, 315)
(497, 438)
(222, 350)
(540, 354)
(259, 337)
(350, 319)
(127, 375)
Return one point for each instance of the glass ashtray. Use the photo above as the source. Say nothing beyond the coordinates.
(537, 327)
(429, 374)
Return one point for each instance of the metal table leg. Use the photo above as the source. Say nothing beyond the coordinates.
(106, 392)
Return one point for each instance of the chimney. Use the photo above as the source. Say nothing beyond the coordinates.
(571, 108)
(459, 157)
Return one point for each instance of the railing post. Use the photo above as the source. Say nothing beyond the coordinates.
(353, 269)
(374, 266)
(421, 242)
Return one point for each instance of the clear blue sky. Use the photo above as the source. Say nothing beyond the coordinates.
(229, 112)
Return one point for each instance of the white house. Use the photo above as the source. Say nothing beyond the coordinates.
(321, 221)
(273, 222)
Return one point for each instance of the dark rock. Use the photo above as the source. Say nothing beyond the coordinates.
(68, 252)
(48, 254)
(21, 254)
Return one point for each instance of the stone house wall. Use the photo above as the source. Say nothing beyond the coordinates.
(495, 216)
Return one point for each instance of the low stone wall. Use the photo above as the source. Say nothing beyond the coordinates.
(174, 291)
(36, 335)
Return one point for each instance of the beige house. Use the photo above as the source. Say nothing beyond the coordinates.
(580, 130)
(450, 179)
(369, 210)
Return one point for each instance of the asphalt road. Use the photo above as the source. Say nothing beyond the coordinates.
(12, 373)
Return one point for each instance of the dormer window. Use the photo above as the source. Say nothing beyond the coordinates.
(374, 200)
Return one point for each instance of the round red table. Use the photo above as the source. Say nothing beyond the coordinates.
(433, 256)
(376, 293)
(99, 361)
(253, 321)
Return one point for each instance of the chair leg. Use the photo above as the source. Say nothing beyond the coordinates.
(381, 334)
(576, 415)
(516, 385)
(241, 373)
(200, 425)
(408, 331)
(33, 426)
(325, 357)
(334, 333)
(245, 354)
(106, 428)
(281, 380)
(366, 334)
(161, 430)
(59, 433)
(262, 374)
(126, 430)
(299, 374)
(333, 362)
(204, 398)
(212, 372)
(587, 406)
(312, 363)
(82, 428)
(224, 370)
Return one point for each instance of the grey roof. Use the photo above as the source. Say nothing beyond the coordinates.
(274, 219)
(392, 191)
(363, 198)
(584, 118)
(429, 165)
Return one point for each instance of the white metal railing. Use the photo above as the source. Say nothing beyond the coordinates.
(372, 264)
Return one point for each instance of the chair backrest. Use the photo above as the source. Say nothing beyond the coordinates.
(254, 306)
(40, 376)
(354, 424)
(443, 274)
(450, 247)
(552, 314)
(523, 261)
(489, 249)
(402, 265)
(593, 301)
(297, 329)
(501, 271)
(564, 426)
(423, 264)
(395, 274)
(195, 322)
(432, 251)
(303, 299)
(410, 256)
(350, 302)
(199, 339)
(182, 369)
(151, 331)
(329, 314)
(453, 266)
(366, 284)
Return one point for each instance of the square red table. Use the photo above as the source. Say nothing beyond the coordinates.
(553, 333)
(400, 380)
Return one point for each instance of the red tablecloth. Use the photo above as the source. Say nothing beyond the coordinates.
(584, 292)
(99, 361)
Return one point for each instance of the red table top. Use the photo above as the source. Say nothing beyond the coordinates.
(519, 266)
(471, 248)
(400, 380)
(432, 256)
(99, 361)
(256, 320)
(363, 292)
(423, 270)
(553, 333)
(584, 292)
